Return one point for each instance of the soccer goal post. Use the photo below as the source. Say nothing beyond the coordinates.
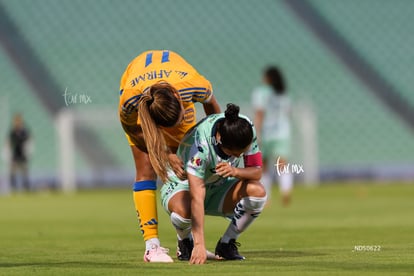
(92, 149)
(306, 121)
(65, 122)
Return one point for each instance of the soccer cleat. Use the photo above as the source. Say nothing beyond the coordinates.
(228, 251)
(157, 254)
(184, 249)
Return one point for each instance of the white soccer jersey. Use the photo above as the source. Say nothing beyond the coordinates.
(276, 124)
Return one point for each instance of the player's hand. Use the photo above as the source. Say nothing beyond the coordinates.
(177, 166)
(199, 255)
(224, 169)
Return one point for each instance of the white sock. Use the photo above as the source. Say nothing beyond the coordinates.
(285, 183)
(149, 243)
(182, 226)
(247, 209)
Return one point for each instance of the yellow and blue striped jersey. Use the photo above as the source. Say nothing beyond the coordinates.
(155, 66)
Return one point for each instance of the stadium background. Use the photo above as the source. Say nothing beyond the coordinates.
(49, 47)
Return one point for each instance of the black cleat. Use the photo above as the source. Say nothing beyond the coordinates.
(184, 249)
(229, 250)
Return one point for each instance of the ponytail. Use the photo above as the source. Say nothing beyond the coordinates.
(158, 108)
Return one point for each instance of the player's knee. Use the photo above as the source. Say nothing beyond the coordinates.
(180, 204)
(179, 222)
(254, 204)
(255, 189)
(144, 185)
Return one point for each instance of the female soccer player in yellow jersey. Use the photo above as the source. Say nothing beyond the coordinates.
(157, 94)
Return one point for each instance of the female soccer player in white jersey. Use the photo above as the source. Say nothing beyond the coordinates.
(217, 184)
(272, 120)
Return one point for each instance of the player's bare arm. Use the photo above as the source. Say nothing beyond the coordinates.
(197, 193)
(224, 169)
(212, 106)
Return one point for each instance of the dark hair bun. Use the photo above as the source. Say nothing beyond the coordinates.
(232, 112)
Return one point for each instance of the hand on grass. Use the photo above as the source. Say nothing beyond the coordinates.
(199, 255)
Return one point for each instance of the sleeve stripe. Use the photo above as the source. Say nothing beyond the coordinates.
(131, 100)
(192, 88)
(131, 103)
(194, 92)
(199, 92)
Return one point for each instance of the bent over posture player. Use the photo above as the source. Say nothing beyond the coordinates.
(157, 94)
(218, 184)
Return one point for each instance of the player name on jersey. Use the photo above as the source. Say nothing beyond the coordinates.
(156, 74)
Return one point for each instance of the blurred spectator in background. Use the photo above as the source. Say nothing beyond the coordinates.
(272, 108)
(18, 149)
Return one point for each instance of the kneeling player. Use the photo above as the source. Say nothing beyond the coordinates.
(218, 185)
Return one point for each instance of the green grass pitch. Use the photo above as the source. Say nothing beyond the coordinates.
(96, 233)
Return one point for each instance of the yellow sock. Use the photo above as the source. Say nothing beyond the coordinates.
(146, 206)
